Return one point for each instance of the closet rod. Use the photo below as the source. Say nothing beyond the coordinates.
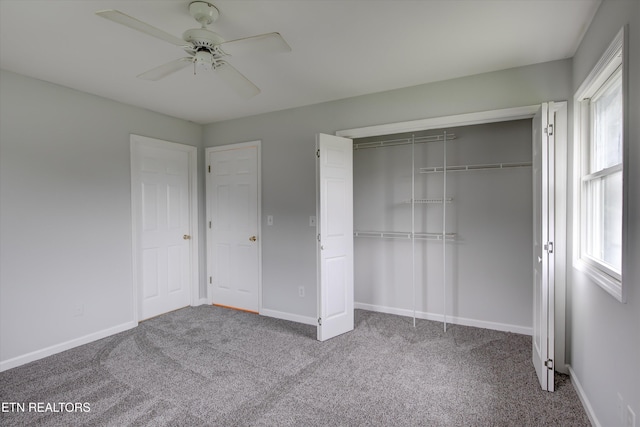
(404, 235)
(403, 141)
(465, 168)
(427, 201)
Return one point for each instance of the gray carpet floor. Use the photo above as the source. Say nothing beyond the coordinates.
(213, 366)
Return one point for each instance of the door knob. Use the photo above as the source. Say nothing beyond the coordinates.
(253, 238)
(186, 237)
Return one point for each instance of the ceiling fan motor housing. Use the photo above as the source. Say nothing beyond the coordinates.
(202, 38)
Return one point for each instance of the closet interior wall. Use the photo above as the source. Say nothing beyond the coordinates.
(486, 277)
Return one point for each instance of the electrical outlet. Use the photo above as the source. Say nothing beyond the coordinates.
(301, 291)
(269, 219)
(631, 417)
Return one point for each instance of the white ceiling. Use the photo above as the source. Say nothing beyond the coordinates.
(340, 48)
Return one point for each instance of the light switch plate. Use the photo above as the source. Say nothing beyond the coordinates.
(312, 221)
(269, 219)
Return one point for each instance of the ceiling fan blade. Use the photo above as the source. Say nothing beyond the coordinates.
(166, 69)
(131, 22)
(236, 80)
(264, 43)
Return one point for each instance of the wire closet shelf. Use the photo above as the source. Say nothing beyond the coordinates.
(412, 235)
(404, 141)
(406, 235)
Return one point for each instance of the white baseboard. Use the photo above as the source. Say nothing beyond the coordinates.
(289, 316)
(524, 330)
(57, 348)
(583, 398)
(307, 320)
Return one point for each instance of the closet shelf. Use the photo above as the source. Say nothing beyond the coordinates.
(427, 201)
(404, 235)
(404, 141)
(464, 168)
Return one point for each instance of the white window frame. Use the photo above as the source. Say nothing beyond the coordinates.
(613, 61)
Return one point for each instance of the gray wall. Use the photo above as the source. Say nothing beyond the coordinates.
(604, 334)
(288, 163)
(65, 217)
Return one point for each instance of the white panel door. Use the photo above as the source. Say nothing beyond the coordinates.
(335, 235)
(162, 206)
(543, 231)
(232, 202)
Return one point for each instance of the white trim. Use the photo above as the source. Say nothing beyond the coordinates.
(137, 141)
(583, 398)
(481, 117)
(289, 316)
(67, 345)
(518, 329)
(236, 146)
(598, 74)
(609, 284)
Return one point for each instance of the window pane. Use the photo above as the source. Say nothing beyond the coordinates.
(606, 149)
(604, 219)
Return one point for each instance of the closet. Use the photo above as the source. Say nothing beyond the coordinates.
(443, 225)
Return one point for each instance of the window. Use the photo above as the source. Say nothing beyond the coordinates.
(600, 134)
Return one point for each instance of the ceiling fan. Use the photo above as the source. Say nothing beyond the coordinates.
(206, 48)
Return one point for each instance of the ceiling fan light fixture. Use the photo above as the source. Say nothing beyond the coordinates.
(203, 60)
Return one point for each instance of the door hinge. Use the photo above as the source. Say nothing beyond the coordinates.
(318, 153)
(320, 321)
(209, 224)
(210, 279)
(549, 130)
(318, 237)
(549, 364)
(209, 167)
(548, 247)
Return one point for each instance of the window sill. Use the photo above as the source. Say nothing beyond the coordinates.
(610, 284)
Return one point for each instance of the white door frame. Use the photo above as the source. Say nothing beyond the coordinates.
(258, 145)
(136, 141)
(501, 115)
(492, 116)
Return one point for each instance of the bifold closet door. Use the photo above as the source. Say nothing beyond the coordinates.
(335, 235)
(543, 230)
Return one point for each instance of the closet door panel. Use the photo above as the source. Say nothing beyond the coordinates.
(335, 235)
